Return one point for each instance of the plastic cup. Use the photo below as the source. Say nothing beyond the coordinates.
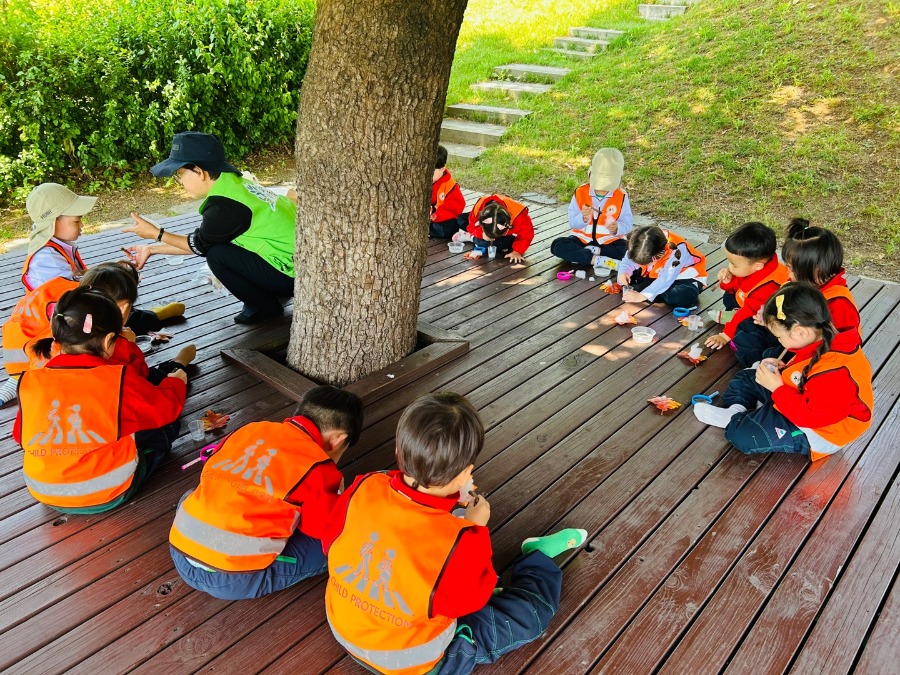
(642, 334)
(144, 343)
(492, 252)
(196, 429)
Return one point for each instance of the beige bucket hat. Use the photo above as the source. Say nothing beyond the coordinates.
(45, 204)
(606, 170)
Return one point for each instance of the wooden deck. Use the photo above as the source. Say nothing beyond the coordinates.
(700, 560)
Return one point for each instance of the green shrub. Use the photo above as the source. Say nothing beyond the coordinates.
(95, 89)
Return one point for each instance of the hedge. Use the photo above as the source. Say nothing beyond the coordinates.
(93, 90)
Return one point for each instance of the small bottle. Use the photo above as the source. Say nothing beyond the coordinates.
(492, 252)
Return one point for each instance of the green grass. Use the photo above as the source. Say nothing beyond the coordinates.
(735, 111)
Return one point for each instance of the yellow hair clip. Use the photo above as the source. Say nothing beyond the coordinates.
(779, 304)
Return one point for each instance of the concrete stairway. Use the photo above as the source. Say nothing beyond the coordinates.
(661, 12)
(468, 129)
(584, 43)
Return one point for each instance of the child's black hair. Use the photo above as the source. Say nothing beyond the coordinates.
(440, 160)
(814, 254)
(81, 321)
(333, 409)
(118, 280)
(645, 243)
(803, 305)
(754, 241)
(438, 436)
(494, 219)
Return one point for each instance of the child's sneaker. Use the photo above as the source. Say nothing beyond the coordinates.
(462, 235)
(721, 316)
(9, 391)
(715, 416)
(554, 544)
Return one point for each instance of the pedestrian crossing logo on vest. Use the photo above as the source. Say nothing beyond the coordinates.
(261, 193)
(76, 433)
(254, 473)
(366, 582)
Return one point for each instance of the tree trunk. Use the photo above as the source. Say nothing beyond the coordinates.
(370, 112)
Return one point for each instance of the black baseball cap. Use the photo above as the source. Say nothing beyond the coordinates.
(197, 148)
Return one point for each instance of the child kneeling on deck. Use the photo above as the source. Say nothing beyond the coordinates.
(92, 431)
(254, 524)
(411, 587)
(660, 266)
(499, 221)
(814, 405)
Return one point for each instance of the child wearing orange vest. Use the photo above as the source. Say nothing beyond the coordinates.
(56, 215)
(254, 524)
(447, 201)
(814, 405)
(92, 432)
(411, 587)
(599, 216)
(31, 318)
(753, 275)
(660, 266)
(499, 221)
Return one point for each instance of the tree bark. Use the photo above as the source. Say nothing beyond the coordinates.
(370, 113)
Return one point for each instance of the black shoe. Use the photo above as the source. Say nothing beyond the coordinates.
(259, 316)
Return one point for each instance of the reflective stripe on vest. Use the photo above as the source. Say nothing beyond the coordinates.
(273, 224)
(84, 488)
(75, 263)
(610, 209)
(399, 659)
(223, 541)
(238, 519)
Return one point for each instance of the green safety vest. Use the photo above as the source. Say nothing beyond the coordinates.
(273, 226)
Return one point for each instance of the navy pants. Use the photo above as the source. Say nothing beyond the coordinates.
(445, 229)
(682, 293)
(762, 429)
(503, 244)
(142, 321)
(250, 279)
(515, 616)
(309, 561)
(752, 342)
(571, 249)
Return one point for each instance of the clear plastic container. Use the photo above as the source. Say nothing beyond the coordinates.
(144, 343)
(456, 246)
(643, 335)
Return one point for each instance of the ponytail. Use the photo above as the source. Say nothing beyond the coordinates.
(802, 304)
(491, 217)
(41, 348)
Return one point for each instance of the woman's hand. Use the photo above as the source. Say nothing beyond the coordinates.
(515, 256)
(140, 255)
(142, 227)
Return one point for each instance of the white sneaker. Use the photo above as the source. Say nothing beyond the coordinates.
(462, 235)
(715, 416)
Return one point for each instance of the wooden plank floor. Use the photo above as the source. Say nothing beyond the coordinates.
(699, 560)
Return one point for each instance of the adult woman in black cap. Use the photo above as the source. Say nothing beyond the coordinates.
(247, 233)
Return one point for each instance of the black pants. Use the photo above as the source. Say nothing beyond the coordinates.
(571, 249)
(142, 321)
(447, 228)
(250, 279)
(682, 293)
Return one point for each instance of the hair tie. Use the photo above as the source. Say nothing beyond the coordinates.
(88, 323)
(779, 304)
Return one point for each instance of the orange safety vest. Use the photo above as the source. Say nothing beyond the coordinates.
(446, 188)
(827, 440)
(74, 457)
(779, 275)
(840, 291)
(237, 520)
(612, 209)
(29, 322)
(383, 569)
(699, 265)
(515, 208)
(75, 263)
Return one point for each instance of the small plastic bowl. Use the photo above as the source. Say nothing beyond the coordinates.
(175, 259)
(642, 334)
(563, 276)
(456, 246)
(144, 343)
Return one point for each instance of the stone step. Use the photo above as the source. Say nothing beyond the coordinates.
(486, 113)
(458, 153)
(689, 3)
(580, 44)
(471, 133)
(513, 89)
(528, 73)
(573, 53)
(661, 12)
(595, 33)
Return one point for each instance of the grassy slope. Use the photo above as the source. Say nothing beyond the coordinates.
(735, 111)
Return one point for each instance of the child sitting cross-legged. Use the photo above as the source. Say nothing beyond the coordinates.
(253, 525)
(815, 404)
(411, 587)
(92, 431)
(753, 275)
(660, 266)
